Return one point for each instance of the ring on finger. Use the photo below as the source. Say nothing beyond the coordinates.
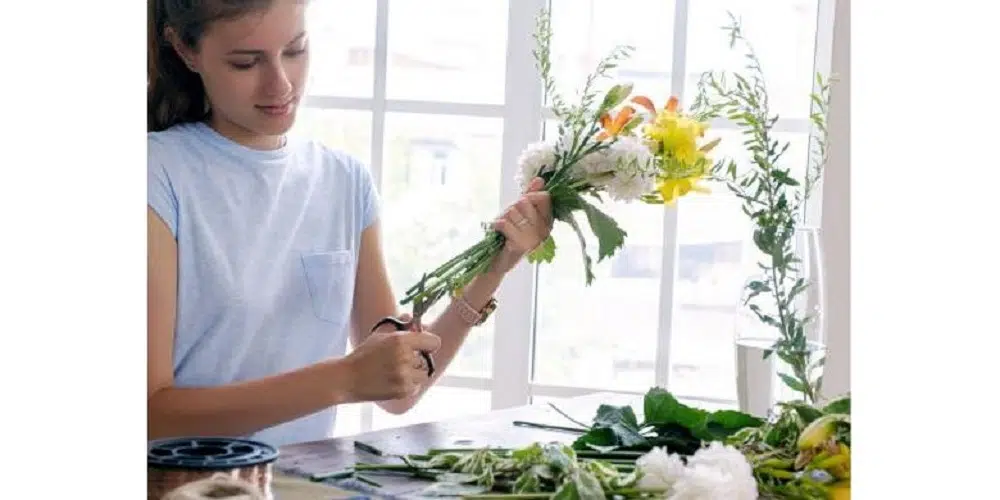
(522, 222)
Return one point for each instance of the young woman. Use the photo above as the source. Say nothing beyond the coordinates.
(264, 250)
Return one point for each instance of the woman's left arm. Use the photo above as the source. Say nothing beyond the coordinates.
(525, 224)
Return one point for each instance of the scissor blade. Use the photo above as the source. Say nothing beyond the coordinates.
(417, 316)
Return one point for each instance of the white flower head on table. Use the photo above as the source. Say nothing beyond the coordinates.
(660, 470)
(715, 472)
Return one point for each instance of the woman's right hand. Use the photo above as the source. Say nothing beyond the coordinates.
(388, 365)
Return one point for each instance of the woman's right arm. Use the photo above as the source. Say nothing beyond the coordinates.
(235, 409)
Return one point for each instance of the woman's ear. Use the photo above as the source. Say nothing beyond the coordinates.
(182, 50)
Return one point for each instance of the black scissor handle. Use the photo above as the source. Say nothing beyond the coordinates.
(403, 326)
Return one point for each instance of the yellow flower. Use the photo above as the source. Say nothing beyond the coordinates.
(678, 137)
(672, 189)
(676, 134)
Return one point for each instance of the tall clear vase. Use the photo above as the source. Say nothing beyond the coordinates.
(758, 383)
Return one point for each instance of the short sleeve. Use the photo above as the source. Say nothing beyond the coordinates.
(160, 195)
(370, 201)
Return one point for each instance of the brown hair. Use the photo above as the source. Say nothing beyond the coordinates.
(174, 93)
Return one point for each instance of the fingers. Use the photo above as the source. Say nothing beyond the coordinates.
(541, 202)
(536, 184)
(422, 341)
(527, 222)
(407, 371)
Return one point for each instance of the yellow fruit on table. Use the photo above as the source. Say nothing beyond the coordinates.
(842, 470)
(819, 431)
(840, 490)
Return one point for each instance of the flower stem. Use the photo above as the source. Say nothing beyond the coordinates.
(459, 271)
(396, 467)
(525, 496)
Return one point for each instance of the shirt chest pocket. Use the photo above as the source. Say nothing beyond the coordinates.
(330, 279)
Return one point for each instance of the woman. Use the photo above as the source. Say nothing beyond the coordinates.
(264, 250)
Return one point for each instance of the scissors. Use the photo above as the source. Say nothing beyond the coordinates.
(420, 306)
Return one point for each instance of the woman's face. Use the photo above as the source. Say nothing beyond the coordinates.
(254, 68)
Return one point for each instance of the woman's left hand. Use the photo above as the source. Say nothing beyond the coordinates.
(525, 224)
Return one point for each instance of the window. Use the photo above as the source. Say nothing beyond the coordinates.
(439, 97)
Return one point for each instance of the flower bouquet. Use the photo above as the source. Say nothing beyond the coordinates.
(616, 145)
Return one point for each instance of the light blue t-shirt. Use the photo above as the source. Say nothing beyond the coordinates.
(267, 256)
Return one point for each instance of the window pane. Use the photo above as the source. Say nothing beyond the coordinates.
(441, 182)
(716, 255)
(604, 335)
(447, 50)
(342, 44)
(584, 31)
(731, 146)
(345, 130)
(783, 34)
(440, 403)
(348, 420)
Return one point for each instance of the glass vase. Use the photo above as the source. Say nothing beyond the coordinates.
(758, 383)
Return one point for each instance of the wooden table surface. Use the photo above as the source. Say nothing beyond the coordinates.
(493, 429)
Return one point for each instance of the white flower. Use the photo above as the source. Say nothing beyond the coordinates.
(626, 169)
(634, 172)
(716, 472)
(536, 157)
(659, 469)
(701, 482)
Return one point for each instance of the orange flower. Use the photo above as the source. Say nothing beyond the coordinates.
(614, 126)
(645, 102)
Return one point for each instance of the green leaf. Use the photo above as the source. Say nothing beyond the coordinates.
(615, 95)
(675, 438)
(724, 423)
(528, 455)
(560, 458)
(623, 424)
(806, 412)
(597, 438)
(793, 383)
(528, 482)
(568, 491)
(660, 407)
(545, 252)
(444, 460)
(608, 415)
(587, 484)
(839, 405)
(610, 237)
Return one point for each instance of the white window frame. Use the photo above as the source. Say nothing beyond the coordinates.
(514, 321)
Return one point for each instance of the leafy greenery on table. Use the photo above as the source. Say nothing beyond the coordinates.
(666, 423)
(599, 463)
